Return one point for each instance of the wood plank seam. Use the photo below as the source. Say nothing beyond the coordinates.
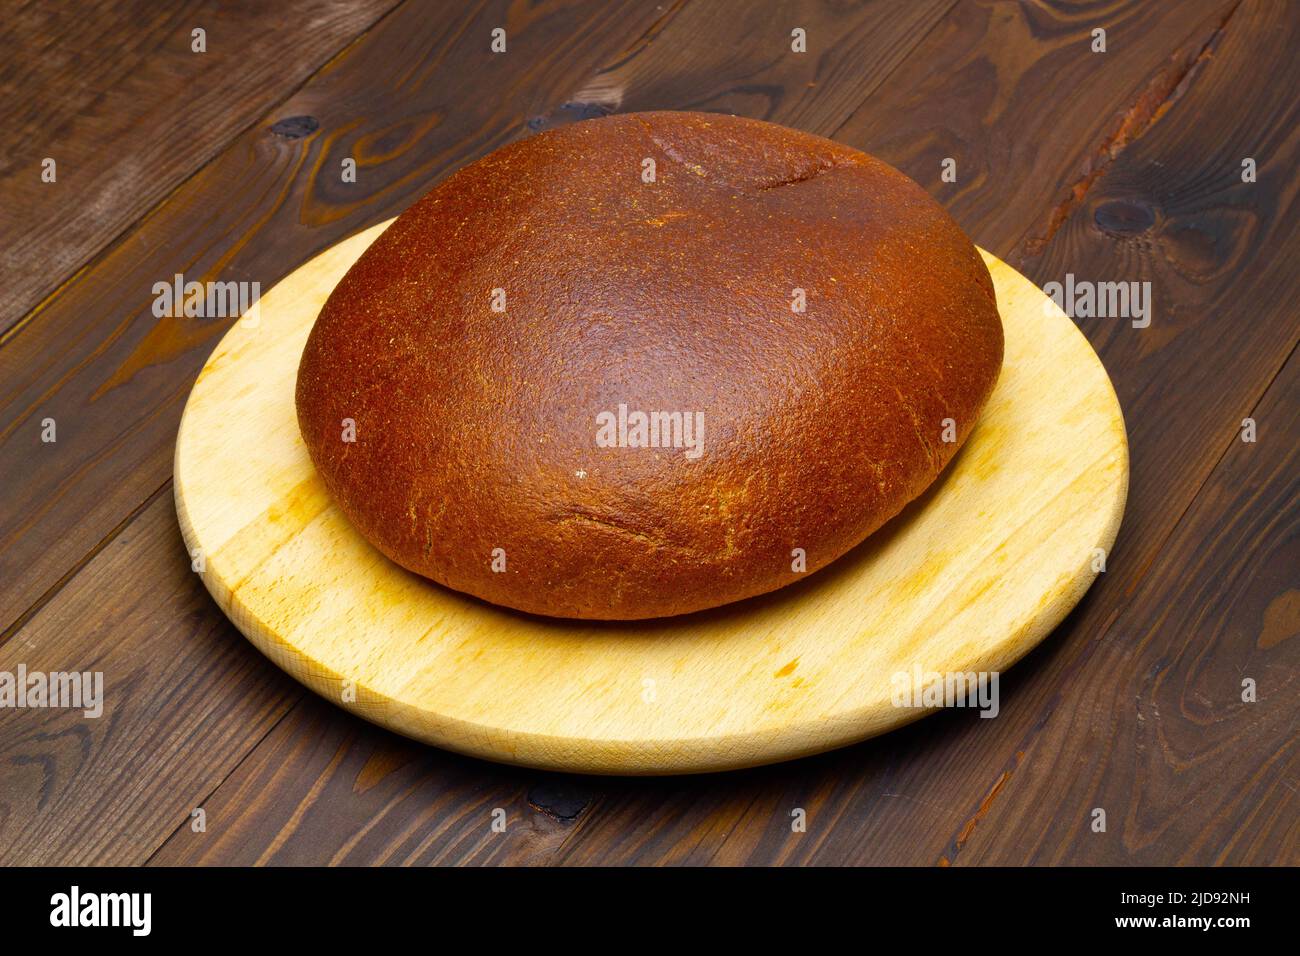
(21, 621)
(646, 38)
(902, 61)
(162, 840)
(122, 234)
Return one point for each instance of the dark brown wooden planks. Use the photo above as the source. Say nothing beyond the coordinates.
(736, 57)
(878, 802)
(891, 800)
(746, 816)
(183, 695)
(324, 790)
(115, 95)
(406, 103)
(1014, 94)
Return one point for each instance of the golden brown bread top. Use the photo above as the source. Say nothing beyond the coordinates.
(476, 429)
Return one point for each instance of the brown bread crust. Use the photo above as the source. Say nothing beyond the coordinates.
(476, 429)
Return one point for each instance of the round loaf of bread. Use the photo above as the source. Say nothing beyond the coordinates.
(648, 364)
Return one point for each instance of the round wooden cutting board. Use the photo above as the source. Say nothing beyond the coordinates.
(967, 579)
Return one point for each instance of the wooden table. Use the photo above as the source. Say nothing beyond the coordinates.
(1122, 165)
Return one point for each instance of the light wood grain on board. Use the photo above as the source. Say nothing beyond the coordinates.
(968, 578)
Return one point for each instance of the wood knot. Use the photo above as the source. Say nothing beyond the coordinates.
(296, 127)
(562, 800)
(571, 112)
(1124, 217)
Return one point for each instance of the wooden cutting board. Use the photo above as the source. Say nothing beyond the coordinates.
(967, 579)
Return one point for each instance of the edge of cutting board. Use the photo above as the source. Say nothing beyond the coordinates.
(293, 576)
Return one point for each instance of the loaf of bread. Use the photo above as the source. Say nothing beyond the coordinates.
(648, 364)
